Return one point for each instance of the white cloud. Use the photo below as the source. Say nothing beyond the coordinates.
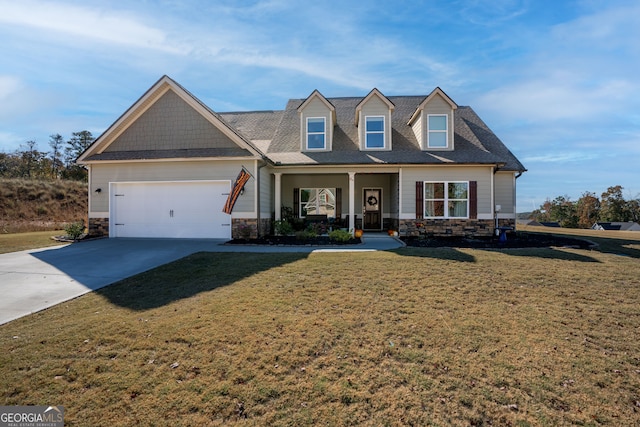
(83, 23)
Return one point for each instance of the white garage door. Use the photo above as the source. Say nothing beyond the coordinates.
(169, 209)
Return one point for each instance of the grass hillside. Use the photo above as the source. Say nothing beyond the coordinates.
(30, 205)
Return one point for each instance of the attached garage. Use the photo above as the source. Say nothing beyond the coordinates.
(176, 209)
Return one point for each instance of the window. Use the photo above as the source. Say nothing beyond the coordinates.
(446, 199)
(318, 201)
(374, 129)
(316, 133)
(437, 131)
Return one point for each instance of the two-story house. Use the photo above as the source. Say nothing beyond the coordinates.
(167, 167)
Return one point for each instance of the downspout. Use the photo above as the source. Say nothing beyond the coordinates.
(258, 196)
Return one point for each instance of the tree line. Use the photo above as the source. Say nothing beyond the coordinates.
(589, 209)
(29, 162)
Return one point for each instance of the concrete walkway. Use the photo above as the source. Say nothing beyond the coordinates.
(33, 280)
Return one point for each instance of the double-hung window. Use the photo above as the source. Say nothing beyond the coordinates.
(316, 133)
(318, 201)
(437, 132)
(446, 199)
(374, 130)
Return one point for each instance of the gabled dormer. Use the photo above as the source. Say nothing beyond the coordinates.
(432, 122)
(373, 120)
(317, 120)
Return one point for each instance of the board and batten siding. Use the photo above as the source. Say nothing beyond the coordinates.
(483, 176)
(316, 108)
(103, 174)
(505, 192)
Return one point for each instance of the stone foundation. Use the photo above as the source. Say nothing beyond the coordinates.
(99, 227)
(244, 228)
(451, 227)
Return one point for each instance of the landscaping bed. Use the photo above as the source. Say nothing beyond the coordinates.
(517, 240)
(294, 241)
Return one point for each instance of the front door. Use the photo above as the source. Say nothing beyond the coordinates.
(372, 210)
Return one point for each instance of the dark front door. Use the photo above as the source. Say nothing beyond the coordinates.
(372, 209)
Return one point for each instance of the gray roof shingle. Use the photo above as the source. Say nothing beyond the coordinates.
(474, 142)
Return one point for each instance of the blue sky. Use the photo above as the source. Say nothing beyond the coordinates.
(557, 81)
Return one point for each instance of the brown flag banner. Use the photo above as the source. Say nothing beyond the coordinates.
(241, 180)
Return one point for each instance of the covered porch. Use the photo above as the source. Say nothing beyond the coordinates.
(350, 199)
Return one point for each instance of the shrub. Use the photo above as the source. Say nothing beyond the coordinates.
(339, 235)
(308, 233)
(282, 228)
(74, 230)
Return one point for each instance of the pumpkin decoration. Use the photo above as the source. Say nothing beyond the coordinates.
(358, 233)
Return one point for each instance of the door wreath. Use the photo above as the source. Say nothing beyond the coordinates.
(372, 201)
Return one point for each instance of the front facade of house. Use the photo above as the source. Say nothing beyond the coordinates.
(416, 164)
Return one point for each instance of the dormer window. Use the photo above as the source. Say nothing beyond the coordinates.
(316, 133)
(374, 132)
(437, 132)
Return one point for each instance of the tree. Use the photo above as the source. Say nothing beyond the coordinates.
(587, 210)
(613, 205)
(56, 143)
(31, 161)
(633, 209)
(563, 210)
(79, 142)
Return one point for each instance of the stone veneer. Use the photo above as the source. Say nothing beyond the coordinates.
(451, 227)
(244, 228)
(99, 227)
(240, 227)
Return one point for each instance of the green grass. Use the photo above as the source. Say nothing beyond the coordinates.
(437, 337)
(24, 241)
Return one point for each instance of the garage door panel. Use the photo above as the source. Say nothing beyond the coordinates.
(170, 209)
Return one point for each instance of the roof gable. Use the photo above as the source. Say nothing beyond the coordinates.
(169, 118)
(317, 95)
(374, 93)
(437, 92)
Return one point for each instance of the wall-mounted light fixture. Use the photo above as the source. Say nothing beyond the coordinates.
(98, 190)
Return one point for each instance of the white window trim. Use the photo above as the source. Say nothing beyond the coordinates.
(383, 132)
(318, 200)
(323, 133)
(446, 199)
(446, 131)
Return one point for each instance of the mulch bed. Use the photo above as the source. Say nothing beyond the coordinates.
(518, 240)
(292, 241)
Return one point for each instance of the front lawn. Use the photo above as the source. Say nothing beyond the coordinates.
(23, 241)
(418, 336)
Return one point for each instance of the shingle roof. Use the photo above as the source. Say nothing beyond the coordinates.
(276, 135)
(170, 154)
(474, 142)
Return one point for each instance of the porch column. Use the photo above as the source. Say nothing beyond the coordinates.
(352, 201)
(278, 196)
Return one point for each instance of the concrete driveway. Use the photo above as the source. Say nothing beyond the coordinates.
(33, 280)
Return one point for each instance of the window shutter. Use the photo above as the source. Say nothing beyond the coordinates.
(473, 199)
(338, 203)
(296, 202)
(419, 199)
